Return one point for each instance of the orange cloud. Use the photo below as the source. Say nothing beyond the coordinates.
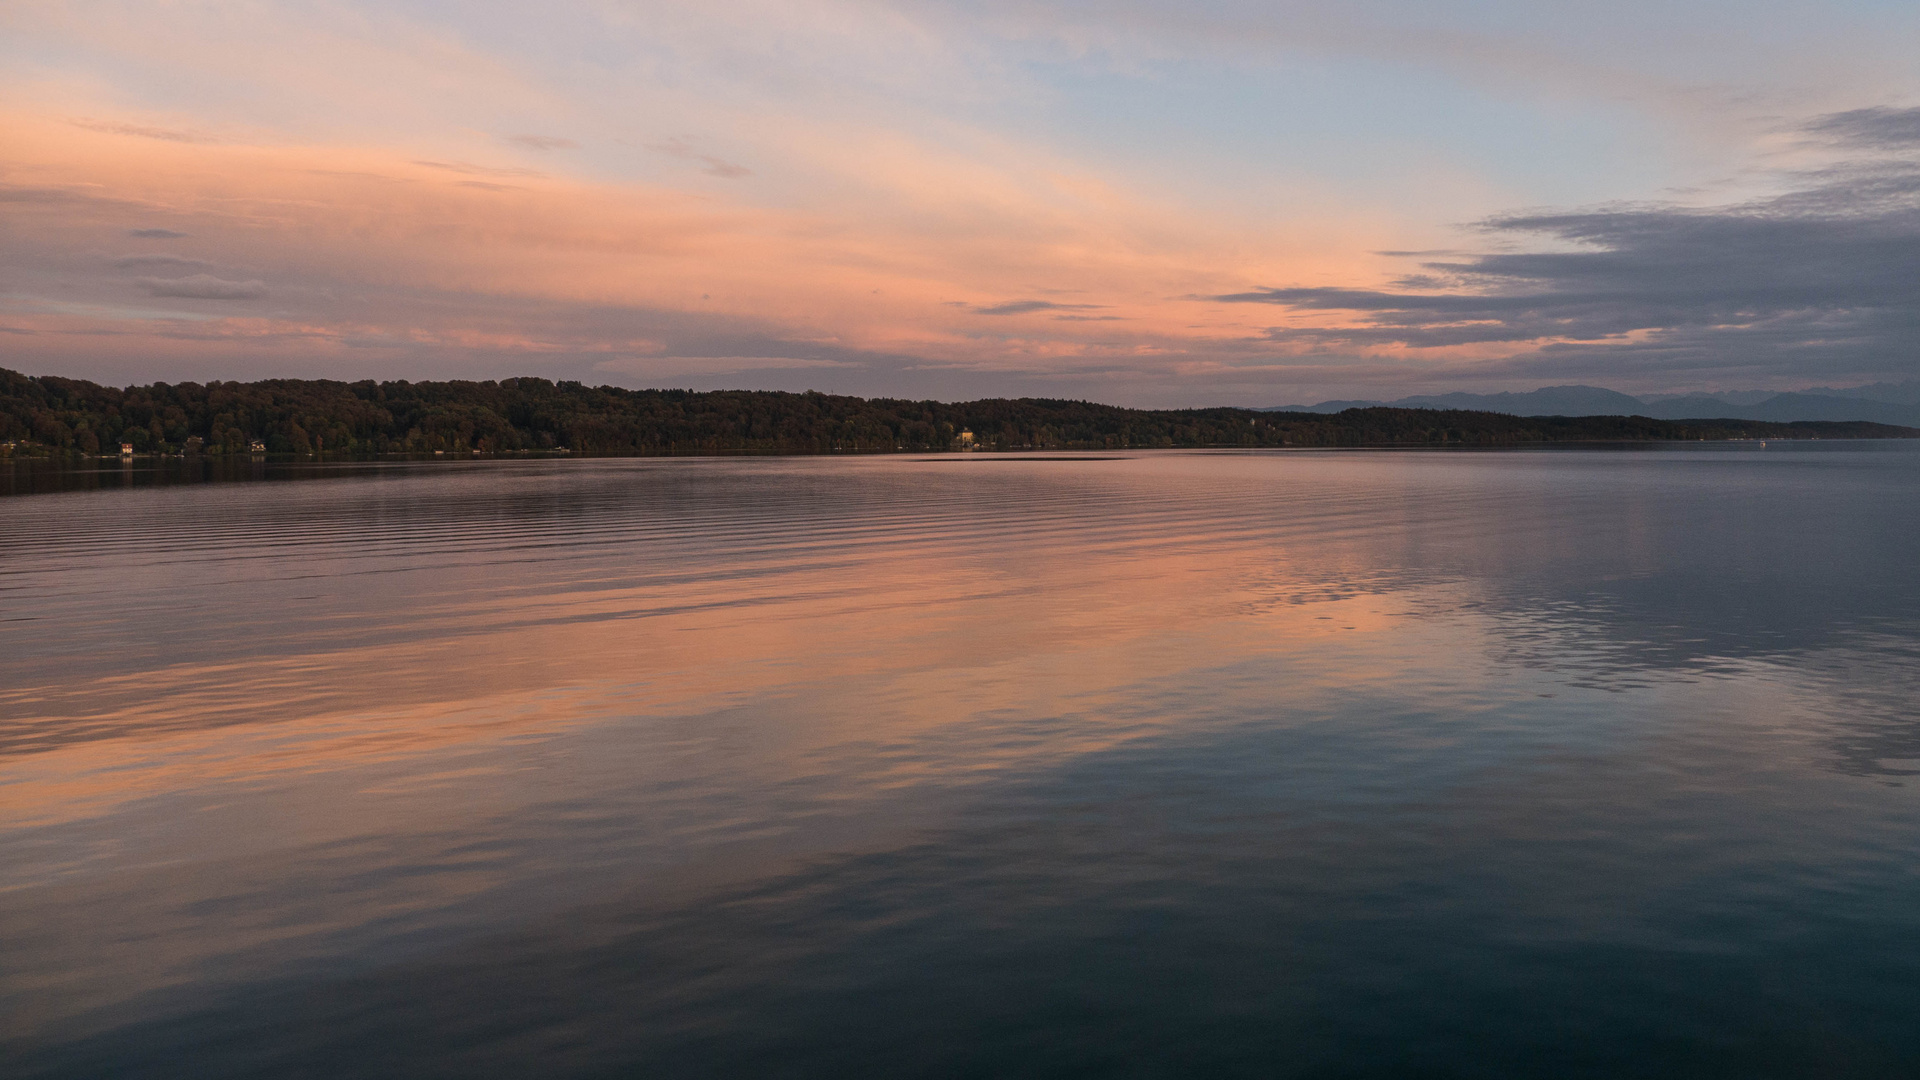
(954, 260)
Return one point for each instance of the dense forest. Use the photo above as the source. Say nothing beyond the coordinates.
(50, 415)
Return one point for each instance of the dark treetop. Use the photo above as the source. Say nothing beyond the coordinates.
(47, 414)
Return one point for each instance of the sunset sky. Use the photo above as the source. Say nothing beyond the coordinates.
(1144, 203)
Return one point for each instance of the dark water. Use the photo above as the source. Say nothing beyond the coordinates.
(1371, 764)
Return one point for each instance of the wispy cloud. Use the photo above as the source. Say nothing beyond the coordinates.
(155, 234)
(662, 366)
(204, 287)
(141, 262)
(114, 127)
(1878, 128)
(543, 142)
(1024, 307)
(466, 168)
(684, 149)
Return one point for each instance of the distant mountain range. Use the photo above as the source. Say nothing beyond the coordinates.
(1885, 403)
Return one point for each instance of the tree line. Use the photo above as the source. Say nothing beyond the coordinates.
(52, 415)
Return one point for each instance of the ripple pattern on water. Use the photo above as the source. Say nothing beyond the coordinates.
(1276, 764)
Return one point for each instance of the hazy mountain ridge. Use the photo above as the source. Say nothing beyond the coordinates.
(1885, 403)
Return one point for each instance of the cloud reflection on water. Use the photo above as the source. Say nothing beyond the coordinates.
(258, 730)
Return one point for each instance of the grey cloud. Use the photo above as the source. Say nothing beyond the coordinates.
(1817, 281)
(543, 142)
(1878, 128)
(684, 149)
(38, 195)
(204, 287)
(156, 234)
(135, 262)
(1022, 307)
(660, 366)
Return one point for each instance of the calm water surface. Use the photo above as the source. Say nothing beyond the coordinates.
(1579, 763)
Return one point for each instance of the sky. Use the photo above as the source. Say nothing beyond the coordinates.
(1141, 202)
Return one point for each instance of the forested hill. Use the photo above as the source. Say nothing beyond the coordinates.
(46, 414)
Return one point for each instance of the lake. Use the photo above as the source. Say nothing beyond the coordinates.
(1572, 762)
